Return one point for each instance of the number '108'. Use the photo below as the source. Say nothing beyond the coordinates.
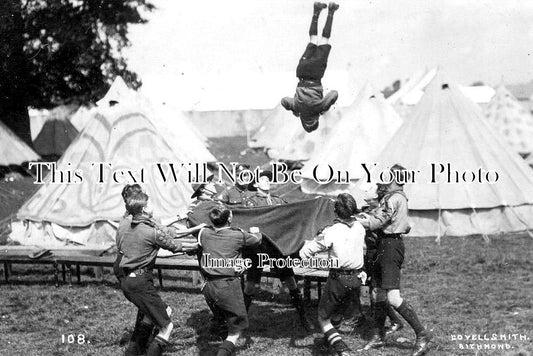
(73, 339)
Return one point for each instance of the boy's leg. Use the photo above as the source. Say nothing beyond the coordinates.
(297, 301)
(228, 346)
(379, 317)
(396, 322)
(326, 32)
(253, 282)
(139, 337)
(423, 337)
(160, 342)
(313, 28)
(230, 300)
(329, 302)
(152, 310)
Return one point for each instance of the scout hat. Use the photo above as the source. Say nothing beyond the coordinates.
(197, 187)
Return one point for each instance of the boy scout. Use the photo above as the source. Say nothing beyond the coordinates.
(389, 221)
(219, 263)
(371, 242)
(285, 274)
(345, 241)
(138, 242)
(308, 102)
(236, 194)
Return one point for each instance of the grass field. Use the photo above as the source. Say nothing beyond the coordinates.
(461, 288)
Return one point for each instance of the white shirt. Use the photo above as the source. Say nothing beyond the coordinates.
(344, 241)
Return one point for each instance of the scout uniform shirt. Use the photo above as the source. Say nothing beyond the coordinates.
(345, 242)
(391, 216)
(233, 195)
(223, 244)
(140, 240)
(262, 199)
(199, 212)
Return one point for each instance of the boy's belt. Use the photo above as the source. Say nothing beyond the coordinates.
(346, 271)
(308, 83)
(136, 272)
(390, 236)
(393, 236)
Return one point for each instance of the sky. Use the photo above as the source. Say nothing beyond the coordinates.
(236, 54)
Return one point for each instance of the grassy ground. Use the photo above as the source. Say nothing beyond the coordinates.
(461, 287)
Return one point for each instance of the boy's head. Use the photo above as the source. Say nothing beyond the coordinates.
(220, 216)
(206, 190)
(263, 182)
(399, 173)
(137, 203)
(345, 206)
(239, 182)
(130, 189)
(309, 122)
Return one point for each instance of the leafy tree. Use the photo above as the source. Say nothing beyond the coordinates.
(58, 51)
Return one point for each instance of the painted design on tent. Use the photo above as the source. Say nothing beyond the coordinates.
(359, 136)
(12, 149)
(511, 119)
(446, 127)
(125, 137)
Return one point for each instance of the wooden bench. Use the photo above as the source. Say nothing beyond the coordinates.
(182, 263)
(10, 255)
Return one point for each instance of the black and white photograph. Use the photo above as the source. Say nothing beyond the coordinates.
(248, 177)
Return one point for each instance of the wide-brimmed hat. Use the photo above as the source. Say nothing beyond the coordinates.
(197, 187)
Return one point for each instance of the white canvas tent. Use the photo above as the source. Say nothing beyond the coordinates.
(85, 211)
(447, 128)
(511, 120)
(413, 90)
(360, 134)
(82, 116)
(171, 124)
(276, 130)
(13, 150)
(177, 129)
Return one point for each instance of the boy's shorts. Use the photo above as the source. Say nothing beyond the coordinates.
(140, 291)
(224, 297)
(340, 289)
(388, 263)
(313, 63)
